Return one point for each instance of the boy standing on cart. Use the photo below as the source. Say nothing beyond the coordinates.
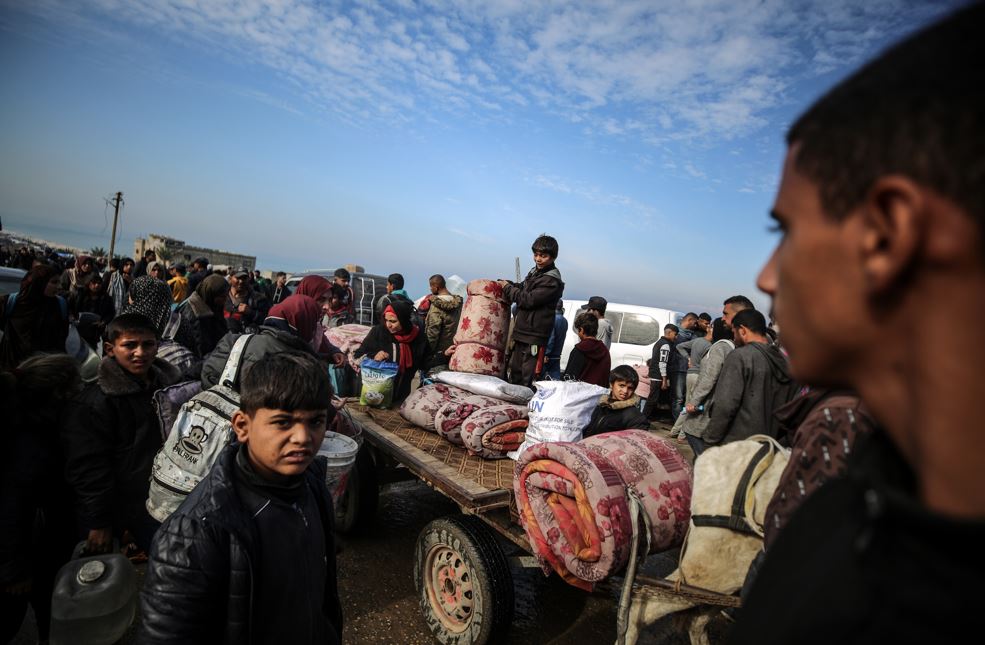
(536, 299)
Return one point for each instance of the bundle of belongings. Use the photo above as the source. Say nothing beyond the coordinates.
(573, 499)
(485, 414)
(348, 338)
(480, 341)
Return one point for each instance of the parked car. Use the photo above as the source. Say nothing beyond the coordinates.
(367, 289)
(635, 329)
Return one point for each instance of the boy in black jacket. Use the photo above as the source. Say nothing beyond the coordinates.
(536, 299)
(620, 408)
(249, 557)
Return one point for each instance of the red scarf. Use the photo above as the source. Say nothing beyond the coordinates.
(406, 360)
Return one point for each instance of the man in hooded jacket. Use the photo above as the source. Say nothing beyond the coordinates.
(754, 383)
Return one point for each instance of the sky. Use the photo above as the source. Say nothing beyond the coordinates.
(427, 137)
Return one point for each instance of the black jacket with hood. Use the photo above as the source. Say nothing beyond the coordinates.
(536, 302)
(204, 564)
(110, 436)
(755, 382)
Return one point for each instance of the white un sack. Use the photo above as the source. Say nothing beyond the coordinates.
(559, 411)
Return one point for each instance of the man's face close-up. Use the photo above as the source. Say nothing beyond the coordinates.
(815, 280)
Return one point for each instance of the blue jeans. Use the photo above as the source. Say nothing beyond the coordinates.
(552, 369)
(678, 382)
(697, 445)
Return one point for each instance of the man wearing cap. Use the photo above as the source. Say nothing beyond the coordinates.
(178, 283)
(596, 306)
(245, 308)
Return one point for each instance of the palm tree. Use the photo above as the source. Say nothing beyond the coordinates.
(164, 254)
(97, 252)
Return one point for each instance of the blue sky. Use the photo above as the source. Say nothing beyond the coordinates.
(430, 137)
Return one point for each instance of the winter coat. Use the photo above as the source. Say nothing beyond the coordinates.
(665, 360)
(864, 560)
(704, 390)
(536, 304)
(253, 317)
(753, 385)
(37, 519)
(692, 351)
(380, 339)
(110, 436)
(201, 575)
(589, 362)
(267, 341)
(440, 326)
(200, 329)
(611, 416)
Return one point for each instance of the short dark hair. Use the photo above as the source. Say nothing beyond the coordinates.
(128, 323)
(752, 320)
(396, 280)
(281, 274)
(545, 244)
(740, 302)
(916, 110)
(690, 314)
(438, 279)
(343, 274)
(588, 323)
(704, 316)
(150, 252)
(126, 261)
(672, 327)
(624, 373)
(115, 263)
(286, 381)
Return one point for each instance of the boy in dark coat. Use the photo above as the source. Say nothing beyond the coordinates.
(589, 360)
(620, 408)
(249, 557)
(536, 299)
(112, 434)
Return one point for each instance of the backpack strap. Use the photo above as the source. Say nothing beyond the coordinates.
(234, 364)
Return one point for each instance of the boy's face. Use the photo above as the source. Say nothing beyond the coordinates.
(281, 442)
(134, 351)
(542, 259)
(342, 282)
(622, 390)
(670, 335)
(94, 286)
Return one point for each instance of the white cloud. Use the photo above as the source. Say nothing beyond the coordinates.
(708, 69)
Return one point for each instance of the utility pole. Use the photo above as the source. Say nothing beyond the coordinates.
(116, 218)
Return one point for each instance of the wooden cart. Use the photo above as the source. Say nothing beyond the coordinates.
(461, 572)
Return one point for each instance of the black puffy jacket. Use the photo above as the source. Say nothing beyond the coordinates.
(200, 576)
(536, 302)
(611, 416)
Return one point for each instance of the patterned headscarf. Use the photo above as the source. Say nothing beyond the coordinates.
(151, 298)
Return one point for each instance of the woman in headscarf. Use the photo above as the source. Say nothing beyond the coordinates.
(35, 319)
(202, 322)
(315, 287)
(400, 341)
(152, 299)
(157, 271)
(291, 326)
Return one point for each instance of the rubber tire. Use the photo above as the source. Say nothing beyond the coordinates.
(357, 508)
(492, 580)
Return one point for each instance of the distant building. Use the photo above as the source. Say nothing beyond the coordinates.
(181, 252)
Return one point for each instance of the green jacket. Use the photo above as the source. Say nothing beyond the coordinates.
(441, 324)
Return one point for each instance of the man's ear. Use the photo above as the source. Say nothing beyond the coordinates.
(893, 230)
(241, 425)
(107, 349)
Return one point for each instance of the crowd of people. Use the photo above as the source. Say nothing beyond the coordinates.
(881, 248)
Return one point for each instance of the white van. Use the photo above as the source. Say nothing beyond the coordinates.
(635, 330)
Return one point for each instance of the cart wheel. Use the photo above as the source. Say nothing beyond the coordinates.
(357, 507)
(464, 581)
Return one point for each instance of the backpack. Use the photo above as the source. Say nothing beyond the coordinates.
(201, 430)
(174, 352)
